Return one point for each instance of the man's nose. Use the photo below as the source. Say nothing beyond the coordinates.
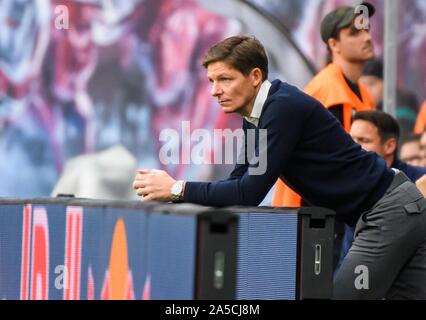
(216, 90)
(367, 35)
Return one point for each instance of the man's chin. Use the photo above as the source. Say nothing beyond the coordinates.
(369, 57)
(227, 110)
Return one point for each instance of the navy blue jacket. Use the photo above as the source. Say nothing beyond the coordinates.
(412, 172)
(309, 149)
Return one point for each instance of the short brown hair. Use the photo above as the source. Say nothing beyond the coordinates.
(386, 125)
(240, 52)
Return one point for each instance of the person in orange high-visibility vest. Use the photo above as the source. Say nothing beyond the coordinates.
(421, 120)
(336, 86)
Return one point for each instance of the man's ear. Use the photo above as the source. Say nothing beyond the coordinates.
(390, 146)
(334, 45)
(256, 75)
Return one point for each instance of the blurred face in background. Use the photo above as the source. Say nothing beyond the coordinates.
(367, 135)
(410, 153)
(374, 86)
(353, 45)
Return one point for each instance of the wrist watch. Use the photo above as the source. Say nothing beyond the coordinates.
(177, 191)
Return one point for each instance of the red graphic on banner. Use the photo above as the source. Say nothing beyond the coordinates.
(74, 230)
(90, 285)
(106, 292)
(25, 257)
(130, 294)
(118, 282)
(147, 289)
(40, 256)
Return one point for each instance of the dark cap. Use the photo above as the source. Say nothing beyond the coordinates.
(340, 18)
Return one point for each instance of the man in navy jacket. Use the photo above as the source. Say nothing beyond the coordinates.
(307, 147)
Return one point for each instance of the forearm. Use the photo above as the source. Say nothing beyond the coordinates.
(244, 191)
(216, 194)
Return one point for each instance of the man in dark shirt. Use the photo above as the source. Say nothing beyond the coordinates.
(336, 86)
(308, 148)
(349, 45)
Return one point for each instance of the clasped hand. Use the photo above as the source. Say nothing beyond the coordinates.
(153, 185)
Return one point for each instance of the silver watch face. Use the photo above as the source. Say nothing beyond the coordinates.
(177, 188)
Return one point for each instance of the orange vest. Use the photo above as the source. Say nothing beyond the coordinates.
(330, 88)
(421, 120)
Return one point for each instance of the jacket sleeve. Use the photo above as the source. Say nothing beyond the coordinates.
(281, 130)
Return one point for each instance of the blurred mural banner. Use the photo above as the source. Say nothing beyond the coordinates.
(61, 256)
(52, 249)
(78, 77)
